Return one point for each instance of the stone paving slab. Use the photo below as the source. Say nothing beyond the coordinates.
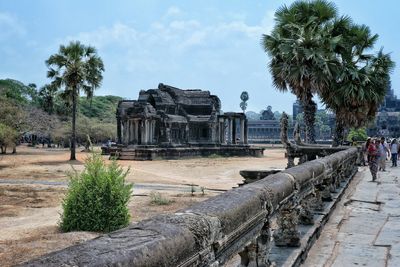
(390, 233)
(394, 259)
(355, 254)
(364, 230)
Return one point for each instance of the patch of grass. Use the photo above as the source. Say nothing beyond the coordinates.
(157, 199)
(214, 156)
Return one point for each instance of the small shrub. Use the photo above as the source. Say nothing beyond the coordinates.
(203, 189)
(214, 156)
(157, 199)
(97, 198)
(192, 189)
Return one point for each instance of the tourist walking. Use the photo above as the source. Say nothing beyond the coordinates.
(394, 150)
(373, 154)
(383, 153)
(364, 150)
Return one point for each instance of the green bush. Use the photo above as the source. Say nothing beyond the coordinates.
(357, 135)
(97, 198)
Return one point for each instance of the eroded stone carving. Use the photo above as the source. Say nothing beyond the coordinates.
(287, 234)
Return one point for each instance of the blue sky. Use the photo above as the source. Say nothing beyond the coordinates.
(212, 45)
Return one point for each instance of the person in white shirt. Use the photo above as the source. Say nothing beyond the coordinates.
(394, 150)
(383, 152)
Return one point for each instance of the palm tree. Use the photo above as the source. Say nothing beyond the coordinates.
(47, 95)
(360, 85)
(301, 51)
(74, 68)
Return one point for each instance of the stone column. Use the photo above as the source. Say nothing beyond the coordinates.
(143, 132)
(242, 130)
(137, 131)
(213, 127)
(146, 131)
(245, 132)
(125, 135)
(119, 136)
(128, 128)
(221, 131)
(132, 131)
(187, 133)
(153, 131)
(229, 131)
(234, 130)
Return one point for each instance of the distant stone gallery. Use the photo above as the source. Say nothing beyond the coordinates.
(169, 116)
(171, 123)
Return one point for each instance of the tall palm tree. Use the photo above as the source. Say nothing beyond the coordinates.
(360, 85)
(301, 50)
(74, 68)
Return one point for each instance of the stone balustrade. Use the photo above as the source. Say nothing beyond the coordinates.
(211, 232)
(298, 149)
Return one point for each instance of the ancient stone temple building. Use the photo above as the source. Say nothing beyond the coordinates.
(172, 117)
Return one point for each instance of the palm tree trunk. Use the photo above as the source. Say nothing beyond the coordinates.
(73, 145)
(309, 108)
(339, 132)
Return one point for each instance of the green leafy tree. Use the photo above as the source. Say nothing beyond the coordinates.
(97, 198)
(101, 108)
(8, 138)
(359, 134)
(18, 92)
(301, 50)
(73, 69)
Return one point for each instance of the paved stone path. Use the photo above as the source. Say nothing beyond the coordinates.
(364, 230)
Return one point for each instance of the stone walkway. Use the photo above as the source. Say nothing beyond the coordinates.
(364, 230)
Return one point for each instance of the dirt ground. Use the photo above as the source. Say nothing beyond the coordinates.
(33, 183)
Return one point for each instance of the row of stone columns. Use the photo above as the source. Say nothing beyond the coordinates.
(227, 128)
(137, 131)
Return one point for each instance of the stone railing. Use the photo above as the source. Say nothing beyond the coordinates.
(213, 231)
(298, 149)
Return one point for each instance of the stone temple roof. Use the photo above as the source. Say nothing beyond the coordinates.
(172, 101)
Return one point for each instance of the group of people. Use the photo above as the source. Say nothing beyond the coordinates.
(377, 151)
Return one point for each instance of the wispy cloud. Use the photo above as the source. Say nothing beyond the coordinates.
(172, 12)
(170, 41)
(10, 26)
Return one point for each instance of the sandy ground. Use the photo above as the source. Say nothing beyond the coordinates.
(33, 182)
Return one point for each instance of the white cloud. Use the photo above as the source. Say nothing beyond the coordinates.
(172, 12)
(119, 33)
(169, 43)
(10, 26)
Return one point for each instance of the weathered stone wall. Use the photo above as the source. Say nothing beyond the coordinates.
(210, 232)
